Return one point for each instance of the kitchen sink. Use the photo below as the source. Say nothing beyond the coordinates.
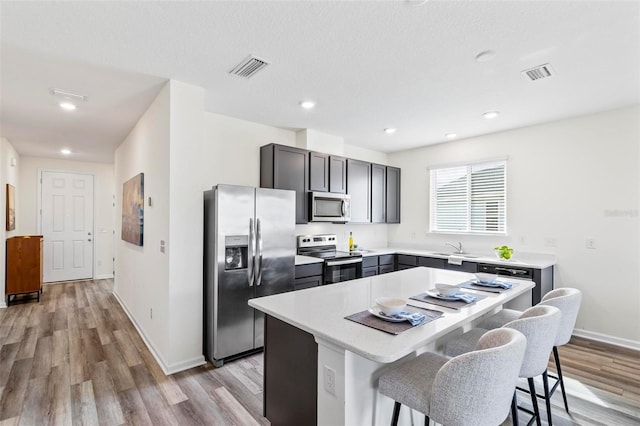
(469, 256)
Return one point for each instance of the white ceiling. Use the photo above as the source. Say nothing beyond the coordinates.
(368, 65)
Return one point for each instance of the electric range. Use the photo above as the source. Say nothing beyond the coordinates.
(338, 265)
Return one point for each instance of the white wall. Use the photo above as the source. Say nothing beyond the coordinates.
(567, 180)
(162, 291)
(103, 185)
(142, 273)
(185, 247)
(231, 149)
(8, 175)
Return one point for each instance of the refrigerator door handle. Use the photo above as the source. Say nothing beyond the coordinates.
(250, 261)
(259, 252)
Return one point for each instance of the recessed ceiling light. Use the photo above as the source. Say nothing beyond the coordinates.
(450, 135)
(485, 56)
(390, 130)
(67, 106)
(65, 151)
(491, 114)
(307, 104)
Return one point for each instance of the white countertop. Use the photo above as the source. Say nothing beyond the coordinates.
(305, 260)
(527, 260)
(321, 310)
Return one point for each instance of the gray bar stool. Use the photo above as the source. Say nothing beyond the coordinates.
(568, 300)
(454, 391)
(539, 325)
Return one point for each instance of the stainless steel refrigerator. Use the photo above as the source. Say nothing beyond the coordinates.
(249, 251)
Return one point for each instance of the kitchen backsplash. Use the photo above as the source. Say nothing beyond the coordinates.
(365, 236)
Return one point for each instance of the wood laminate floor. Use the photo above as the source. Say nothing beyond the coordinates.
(75, 358)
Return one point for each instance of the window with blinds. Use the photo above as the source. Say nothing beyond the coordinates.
(471, 198)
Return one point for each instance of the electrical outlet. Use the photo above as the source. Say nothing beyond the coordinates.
(330, 380)
(413, 235)
(151, 313)
(590, 243)
(550, 242)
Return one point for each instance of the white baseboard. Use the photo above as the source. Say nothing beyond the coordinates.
(3, 304)
(167, 369)
(103, 277)
(605, 338)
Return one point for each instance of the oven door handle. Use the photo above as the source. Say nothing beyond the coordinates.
(330, 263)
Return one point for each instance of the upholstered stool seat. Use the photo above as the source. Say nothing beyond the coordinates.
(539, 325)
(568, 300)
(453, 391)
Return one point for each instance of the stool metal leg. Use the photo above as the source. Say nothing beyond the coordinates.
(534, 401)
(396, 413)
(514, 409)
(556, 358)
(547, 395)
(426, 420)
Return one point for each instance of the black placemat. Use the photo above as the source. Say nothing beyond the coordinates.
(453, 304)
(370, 320)
(472, 286)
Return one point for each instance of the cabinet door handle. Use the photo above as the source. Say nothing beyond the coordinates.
(89, 240)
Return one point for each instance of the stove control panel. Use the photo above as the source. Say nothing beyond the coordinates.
(317, 240)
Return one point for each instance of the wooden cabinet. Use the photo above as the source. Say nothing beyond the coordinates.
(285, 167)
(359, 187)
(378, 193)
(24, 266)
(393, 195)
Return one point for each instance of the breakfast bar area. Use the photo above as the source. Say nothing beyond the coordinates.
(322, 368)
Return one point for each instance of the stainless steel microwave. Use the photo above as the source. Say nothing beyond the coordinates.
(328, 207)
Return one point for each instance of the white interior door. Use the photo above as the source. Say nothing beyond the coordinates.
(67, 226)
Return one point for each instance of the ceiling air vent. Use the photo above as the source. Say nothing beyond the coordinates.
(539, 72)
(249, 67)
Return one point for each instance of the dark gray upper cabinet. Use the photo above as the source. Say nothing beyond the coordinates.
(285, 167)
(318, 172)
(393, 195)
(359, 187)
(337, 174)
(378, 193)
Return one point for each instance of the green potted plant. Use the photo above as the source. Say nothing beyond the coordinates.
(503, 252)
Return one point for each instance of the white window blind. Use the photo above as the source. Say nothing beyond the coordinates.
(471, 198)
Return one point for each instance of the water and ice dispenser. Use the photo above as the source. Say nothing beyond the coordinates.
(236, 249)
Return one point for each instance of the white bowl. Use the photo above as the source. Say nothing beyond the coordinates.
(390, 305)
(447, 289)
(484, 277)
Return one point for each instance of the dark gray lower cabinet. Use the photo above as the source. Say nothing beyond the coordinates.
(369, 266)
(308, 275)
(290, 374)
(465, 267)
(378, 265)
(406, 261)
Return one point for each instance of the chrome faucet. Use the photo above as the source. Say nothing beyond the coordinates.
(458, 248)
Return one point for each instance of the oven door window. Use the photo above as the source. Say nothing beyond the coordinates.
(336, 274)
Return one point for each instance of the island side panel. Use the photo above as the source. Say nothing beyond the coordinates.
(290, 374)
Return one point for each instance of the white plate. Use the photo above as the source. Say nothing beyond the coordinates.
(437, 295)
(375, 312)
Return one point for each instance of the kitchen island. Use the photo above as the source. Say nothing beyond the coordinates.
(323, 369)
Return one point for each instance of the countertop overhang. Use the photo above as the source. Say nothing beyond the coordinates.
(320, 311)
